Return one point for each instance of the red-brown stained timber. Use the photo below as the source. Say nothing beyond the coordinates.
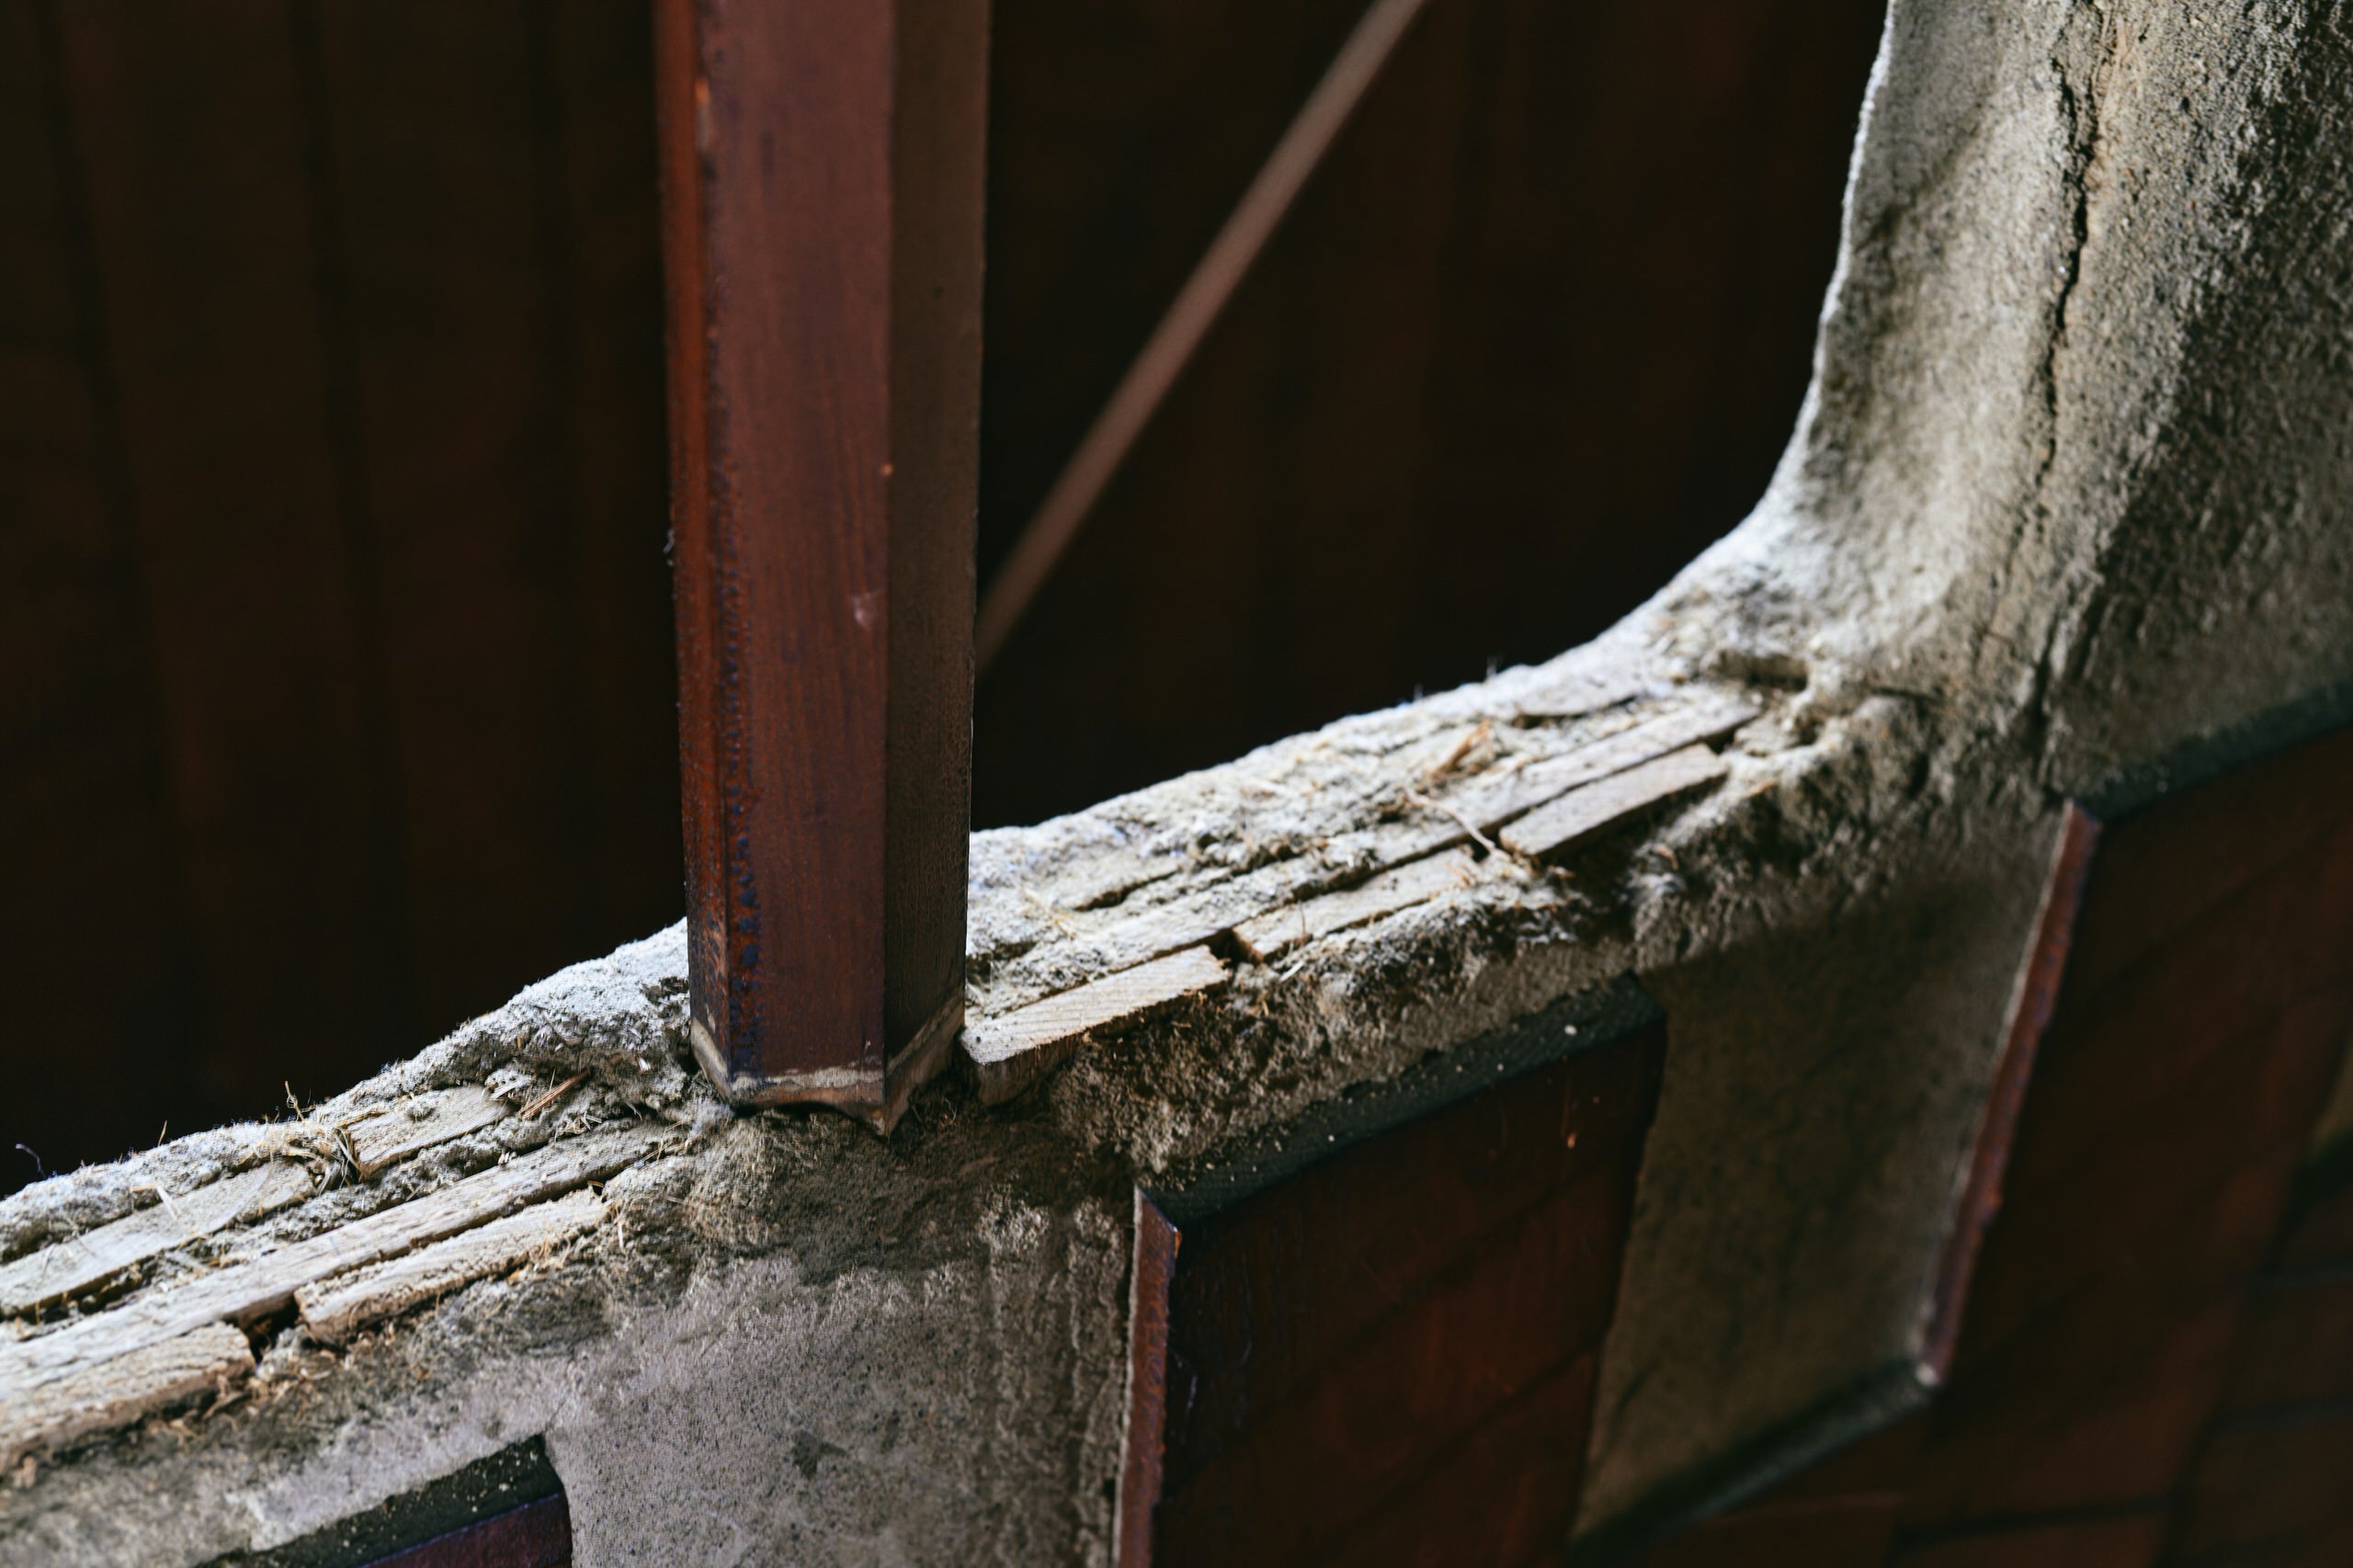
(2030, 1009)
(2125, 1370)
(1388, 1358)
(1839, 1513)
(1141, 1447)
(821, 187)
(205, 255)
(2124, 1540)
(536, 1535)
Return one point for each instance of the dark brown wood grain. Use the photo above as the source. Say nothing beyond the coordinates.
(2155, 1158)
(1433, 367)
(537, 1535)
(336, 690)
(2152, 1353)
(1839, 1512)
(1141, 1445)
(1390, 1357)
(2127, 1539)
(2321, 1233)
(822, 172)
(208, 260)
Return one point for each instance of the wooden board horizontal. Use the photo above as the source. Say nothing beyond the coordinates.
(267, 1283)
(1009, 1052)
(1272, 934)
(79, 1262)
(116, 1393)
(1479, 801)
(418, 1123)
(1575, 694)
(334, 1308)
(1491, 802)
(1565, 822)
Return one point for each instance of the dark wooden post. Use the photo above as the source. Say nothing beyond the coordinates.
(822, 190)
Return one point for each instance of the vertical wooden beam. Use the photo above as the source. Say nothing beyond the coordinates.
(822, 190)
(1151, 1267)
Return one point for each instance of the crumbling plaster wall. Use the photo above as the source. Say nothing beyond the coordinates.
(2065, 515)
(2070, 489)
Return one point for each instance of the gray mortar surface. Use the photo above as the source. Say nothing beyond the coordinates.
(2066, 507)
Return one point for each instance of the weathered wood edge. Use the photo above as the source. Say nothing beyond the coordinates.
(1570, 820)
(2041, 972)
(1003, 1064)
(267, 1283)
(879, 1100)
(391, 1133)
(116, 1393)
(1152, 1267)
(1269, 935)
(1012, 1051)
(333, 1308)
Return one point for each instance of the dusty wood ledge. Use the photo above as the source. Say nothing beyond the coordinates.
(2064, 517)
(1358, 947)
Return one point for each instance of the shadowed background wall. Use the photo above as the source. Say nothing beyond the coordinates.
(335, 692)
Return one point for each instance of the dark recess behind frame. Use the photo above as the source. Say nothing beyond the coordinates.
(335, 693)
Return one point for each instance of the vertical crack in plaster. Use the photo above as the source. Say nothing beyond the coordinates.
(2080, 88)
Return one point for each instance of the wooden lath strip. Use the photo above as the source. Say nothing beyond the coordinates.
(119, 1391)
(267, 1283)
(335, 1308)
(79, 1262)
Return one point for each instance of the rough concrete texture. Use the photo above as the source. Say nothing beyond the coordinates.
(791, 1340)
(2070, 490)
(2065, 514)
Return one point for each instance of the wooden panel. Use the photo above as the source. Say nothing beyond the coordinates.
(443, 218)
(2217, 839)
(2130, 1541)
(92, 924)
(2267, 1482)
(1830, 1532)
(2157, 1154)
(2297, 1344)
(601, 93)
(2030, 1019)
(334, 638)
(1504, 1494)
(537, 1535)
(821, 186)
(2223, 1146)
(1387, 1359)
(209, 269)
(1837, 1513)
(2321, 1231)
(2124, 1367)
